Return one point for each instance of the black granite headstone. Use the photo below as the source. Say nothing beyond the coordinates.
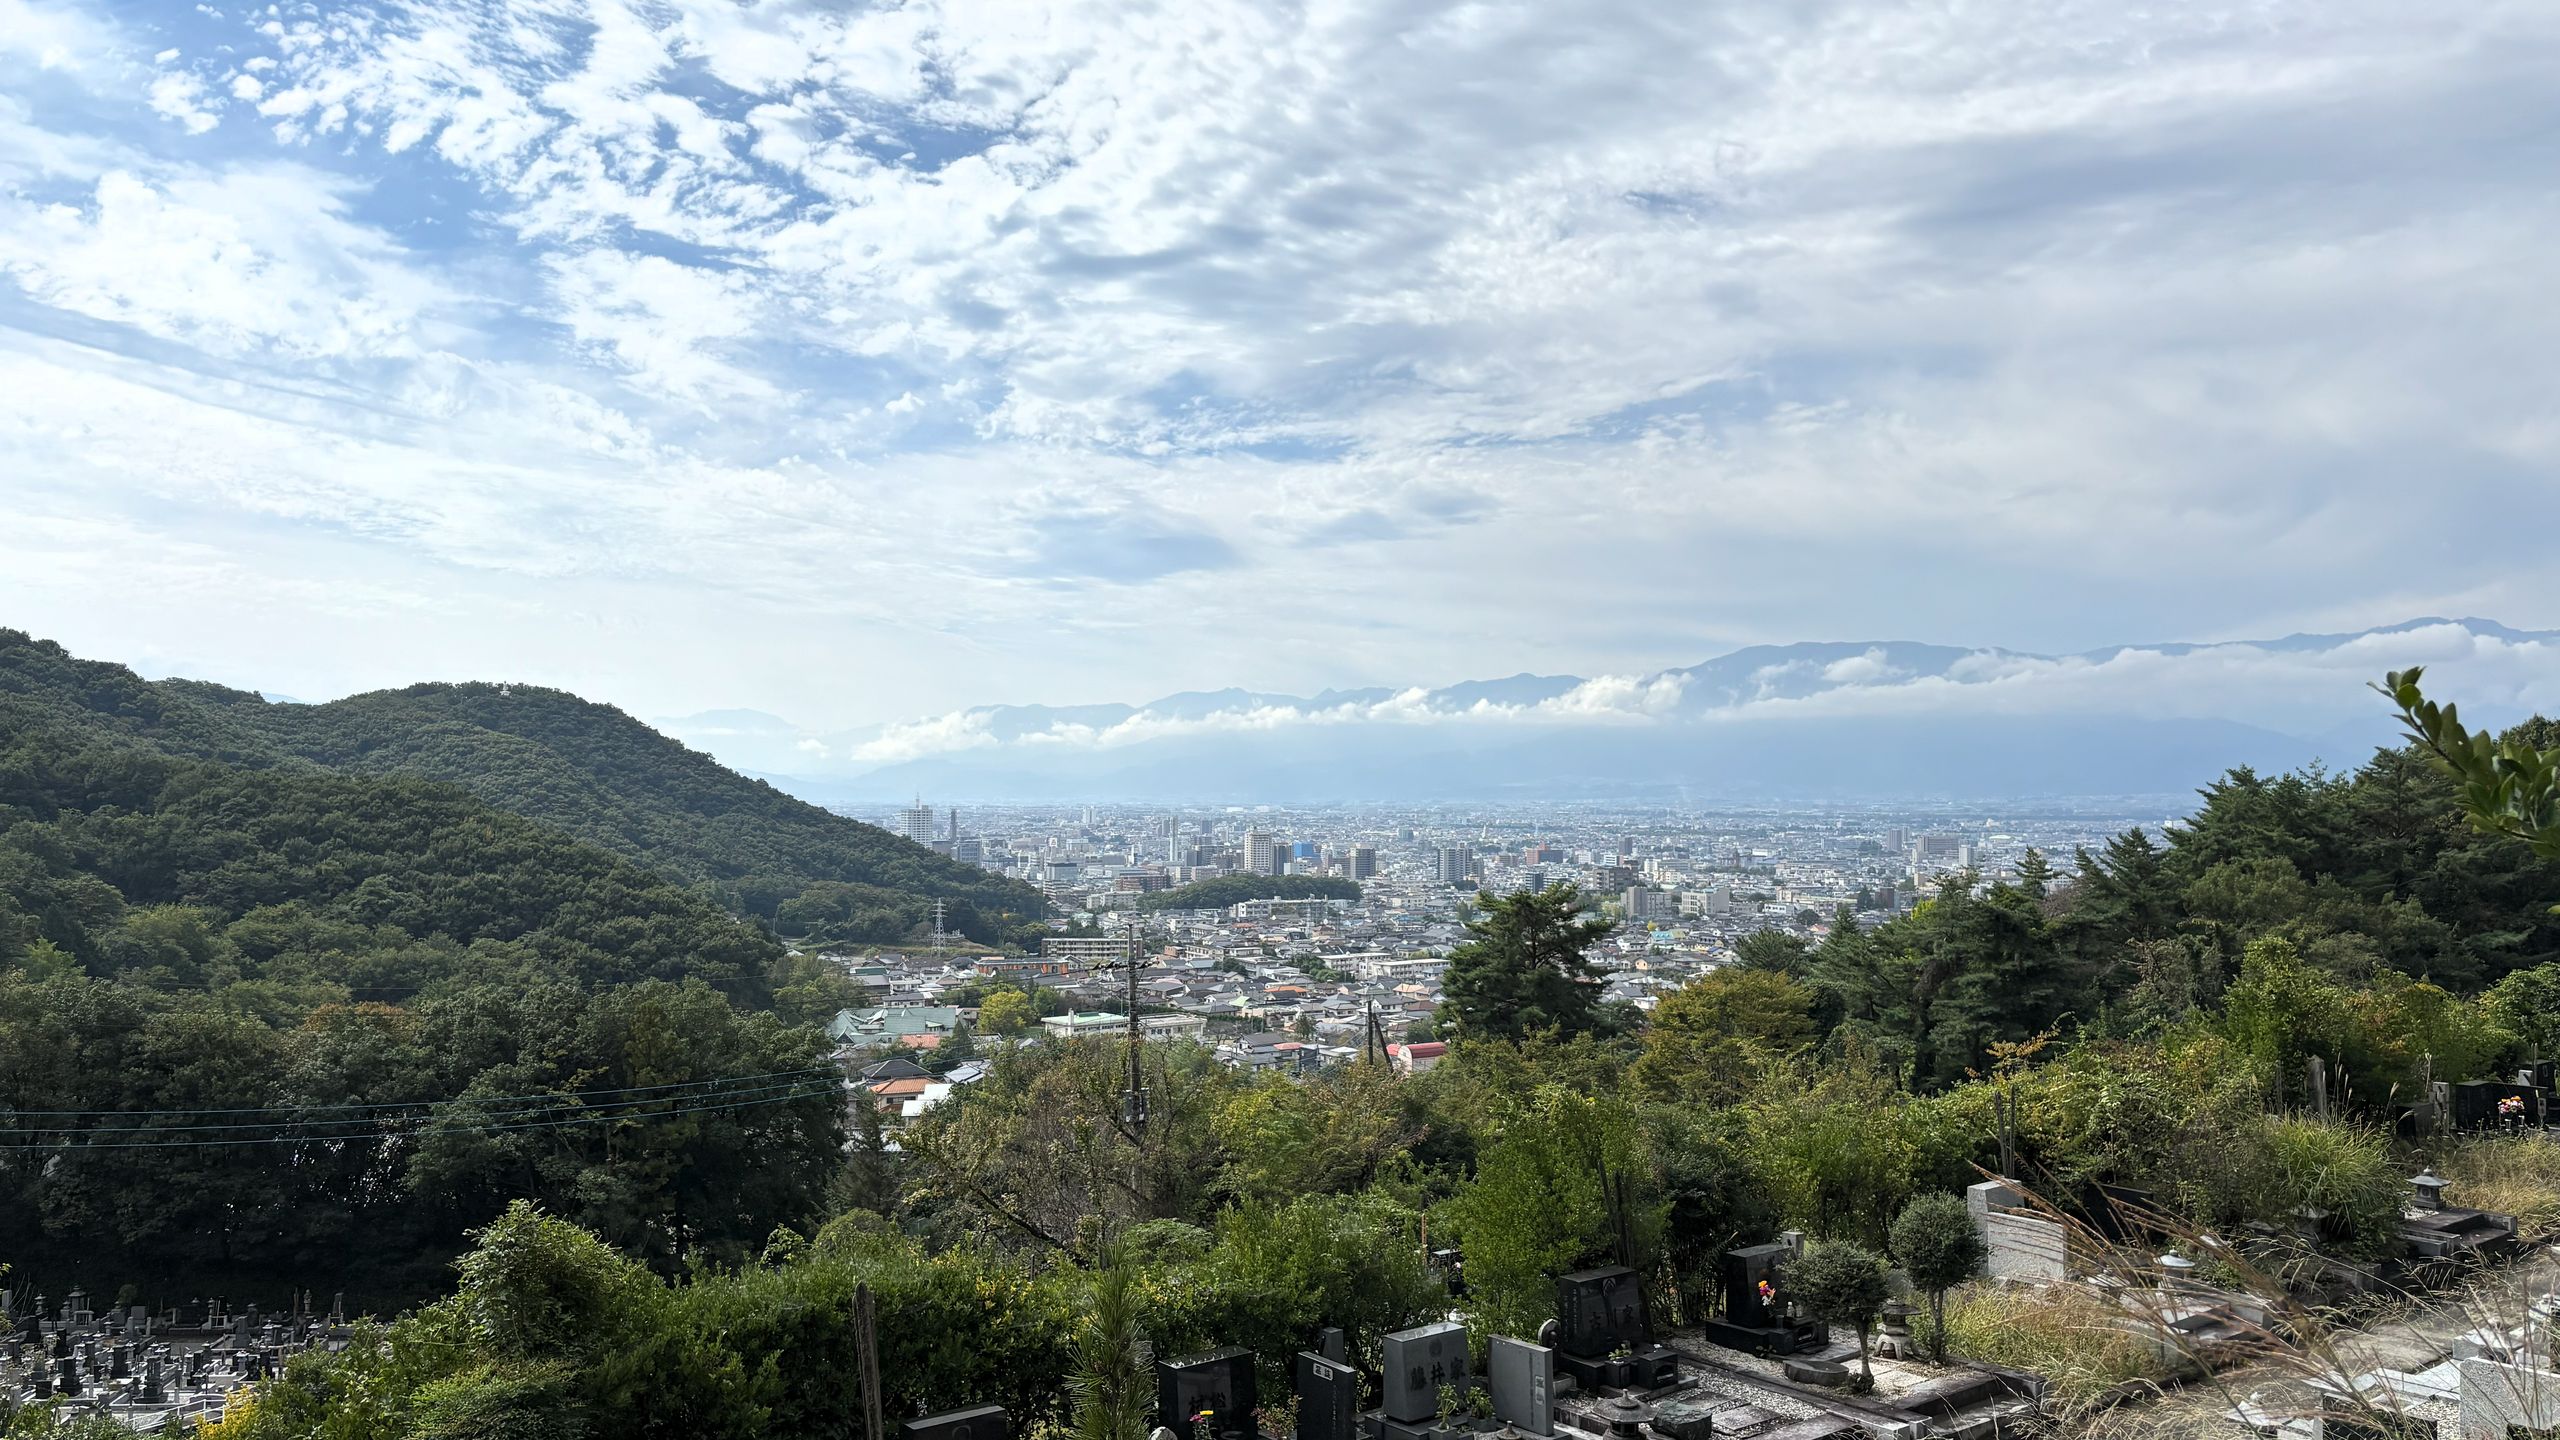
(2487, 1104)
(1328, 1398)
(1601, 1311)
(1201, 1397)
(1752, 1275)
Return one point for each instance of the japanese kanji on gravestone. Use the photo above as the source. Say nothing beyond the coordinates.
(1328, 1398)
(1417, 1363)
(1202, 1397)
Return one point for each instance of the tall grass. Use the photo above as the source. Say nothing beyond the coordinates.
(2512, 1177)
(2085, 1346)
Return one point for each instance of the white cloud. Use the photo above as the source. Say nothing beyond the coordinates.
(1864, 669)
(183, 98)
(2323, 686)
(940, 735)
(1092, 340)
(248, 260)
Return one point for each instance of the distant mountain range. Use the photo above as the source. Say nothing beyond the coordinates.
(1884, 719)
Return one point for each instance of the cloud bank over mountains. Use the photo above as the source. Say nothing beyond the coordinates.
(832, 358)
(1924, 719)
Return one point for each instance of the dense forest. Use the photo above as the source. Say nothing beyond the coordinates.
(584, 768)
(261, 1023)
(263, 1016)
(1222, 891)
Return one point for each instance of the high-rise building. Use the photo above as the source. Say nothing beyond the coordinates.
(1456, 863)
(916, 823)
(1261, 857)
(1364, 862)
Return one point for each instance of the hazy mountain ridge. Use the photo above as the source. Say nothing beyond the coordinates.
(1812, 719)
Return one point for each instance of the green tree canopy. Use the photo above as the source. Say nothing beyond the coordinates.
(1843, 1284)
(1522, 968)
(1935, 1239)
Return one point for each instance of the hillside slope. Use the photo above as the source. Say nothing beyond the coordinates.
(585, 768)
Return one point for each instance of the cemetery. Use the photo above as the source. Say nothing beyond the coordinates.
(1766, 1366)
(153, 1371)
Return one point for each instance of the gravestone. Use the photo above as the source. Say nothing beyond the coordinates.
(155, 1390)
(1418, 1362)
(1524, 1384)
(66, 1375)
(2487, 1104)
(1601, 1311)
(984, 1422)
(1328, 1398)
(1201, 1397)
(1752, 1275)
(1757, 1317)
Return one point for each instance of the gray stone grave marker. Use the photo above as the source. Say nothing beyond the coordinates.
(1418, 1362)
(1524, 1384)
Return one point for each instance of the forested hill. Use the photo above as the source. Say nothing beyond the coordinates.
(586, 768)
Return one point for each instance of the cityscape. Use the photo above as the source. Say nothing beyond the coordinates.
(1380, 720)
(1683, 889)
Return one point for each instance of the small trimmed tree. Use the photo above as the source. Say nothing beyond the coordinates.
(1939, 1249)
(1842, 1284)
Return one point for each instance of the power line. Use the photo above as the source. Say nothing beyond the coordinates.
(705, 1091)
(62, 1146)
(550, 1096)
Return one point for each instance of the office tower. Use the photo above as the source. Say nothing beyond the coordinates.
(1261, 857)
(916, 822)
(1364, 862)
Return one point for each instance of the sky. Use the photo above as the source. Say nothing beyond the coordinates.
(863, 363)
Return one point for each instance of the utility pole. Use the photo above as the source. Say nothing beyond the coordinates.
(1133, 1099)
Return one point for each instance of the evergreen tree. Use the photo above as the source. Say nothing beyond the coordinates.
(1114, 1364)
(1522, 969)
(1842, 1284)
(2035, 874)
(1775, 951)
(1935, 1240)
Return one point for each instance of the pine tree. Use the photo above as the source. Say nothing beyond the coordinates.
(1113, 1360)
(1523, 971)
